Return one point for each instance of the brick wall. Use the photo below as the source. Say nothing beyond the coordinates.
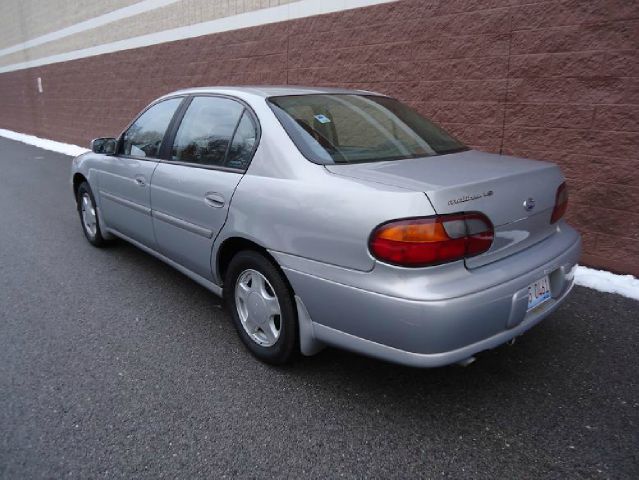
(555, 80)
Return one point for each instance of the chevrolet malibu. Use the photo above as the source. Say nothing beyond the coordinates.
(335, 217)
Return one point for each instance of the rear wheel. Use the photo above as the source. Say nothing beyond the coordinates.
(262, 306)
(89, 216)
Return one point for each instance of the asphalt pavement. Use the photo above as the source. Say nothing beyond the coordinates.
(114, 365)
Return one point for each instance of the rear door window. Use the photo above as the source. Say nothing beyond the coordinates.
(206, 132)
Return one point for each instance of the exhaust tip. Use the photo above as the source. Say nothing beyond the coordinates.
(466, 361)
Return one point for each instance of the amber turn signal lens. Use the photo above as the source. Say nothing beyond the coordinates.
(420, 231)
(426, 241)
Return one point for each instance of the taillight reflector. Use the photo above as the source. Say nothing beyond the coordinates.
(419, 242)
(561, 203)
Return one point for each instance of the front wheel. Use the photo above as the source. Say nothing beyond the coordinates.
(262, 306)
(89, 216)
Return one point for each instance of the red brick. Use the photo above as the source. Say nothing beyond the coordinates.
(617, 246)
(620, 170)
(457, 6)
(574, 90)
(409, 29)
(576, 141)
(618, 197)
(479, 22)
(483, 137)
(617, 117)
(589, 241)
(584, 167)
(609, 36)
(378, 72)
(463, 112)
(440, 47)
(571, 12)
(623, 63)
(483, 68)
(616, 264)
(549, 115)
(457, 90)
(565, 64)
(604, 220)
(459, 46)
(453, 69)
(362, 54)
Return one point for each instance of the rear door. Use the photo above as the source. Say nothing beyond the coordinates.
(124, 179)
(191, 191)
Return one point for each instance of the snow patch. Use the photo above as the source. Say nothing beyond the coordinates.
(64, 148)
(604, 281)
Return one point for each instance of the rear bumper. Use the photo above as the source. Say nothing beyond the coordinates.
(346, 341)
(437, 329)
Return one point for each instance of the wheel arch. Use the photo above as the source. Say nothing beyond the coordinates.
(78, 178)
(230, 247)
(308, 344)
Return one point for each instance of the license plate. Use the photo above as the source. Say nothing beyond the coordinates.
(538, 292)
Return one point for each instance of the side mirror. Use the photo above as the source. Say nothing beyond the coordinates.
(105, 145)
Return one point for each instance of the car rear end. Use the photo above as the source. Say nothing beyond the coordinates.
(444, 313)
(490, 257)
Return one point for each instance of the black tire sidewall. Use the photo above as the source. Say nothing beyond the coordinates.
(287, 345)
(98, 240)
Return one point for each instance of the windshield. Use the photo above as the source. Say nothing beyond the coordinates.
(347, 128)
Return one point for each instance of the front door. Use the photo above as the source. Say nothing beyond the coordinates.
(124, 182)
(191, 193)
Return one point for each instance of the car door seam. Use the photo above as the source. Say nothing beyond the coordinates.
(214, 246)
(155, 237)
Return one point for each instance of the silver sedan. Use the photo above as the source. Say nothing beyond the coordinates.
(335, 217)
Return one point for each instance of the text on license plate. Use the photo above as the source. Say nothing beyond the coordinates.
(538, 292)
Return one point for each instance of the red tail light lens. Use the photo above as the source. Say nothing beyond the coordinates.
(420, 242)
(561, 203)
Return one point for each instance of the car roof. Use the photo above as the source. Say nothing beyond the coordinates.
(270, 90)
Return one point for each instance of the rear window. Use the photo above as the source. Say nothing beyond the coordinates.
(346, 128)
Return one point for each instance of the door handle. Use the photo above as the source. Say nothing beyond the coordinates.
(214, 200)
(140, 180)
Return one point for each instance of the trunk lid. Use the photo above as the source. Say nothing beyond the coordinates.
(495, 185)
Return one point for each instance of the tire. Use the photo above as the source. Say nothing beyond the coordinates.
(254, 291)
(89, 216)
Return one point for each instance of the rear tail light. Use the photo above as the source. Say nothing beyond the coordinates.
(420, 242)
(561, 203)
